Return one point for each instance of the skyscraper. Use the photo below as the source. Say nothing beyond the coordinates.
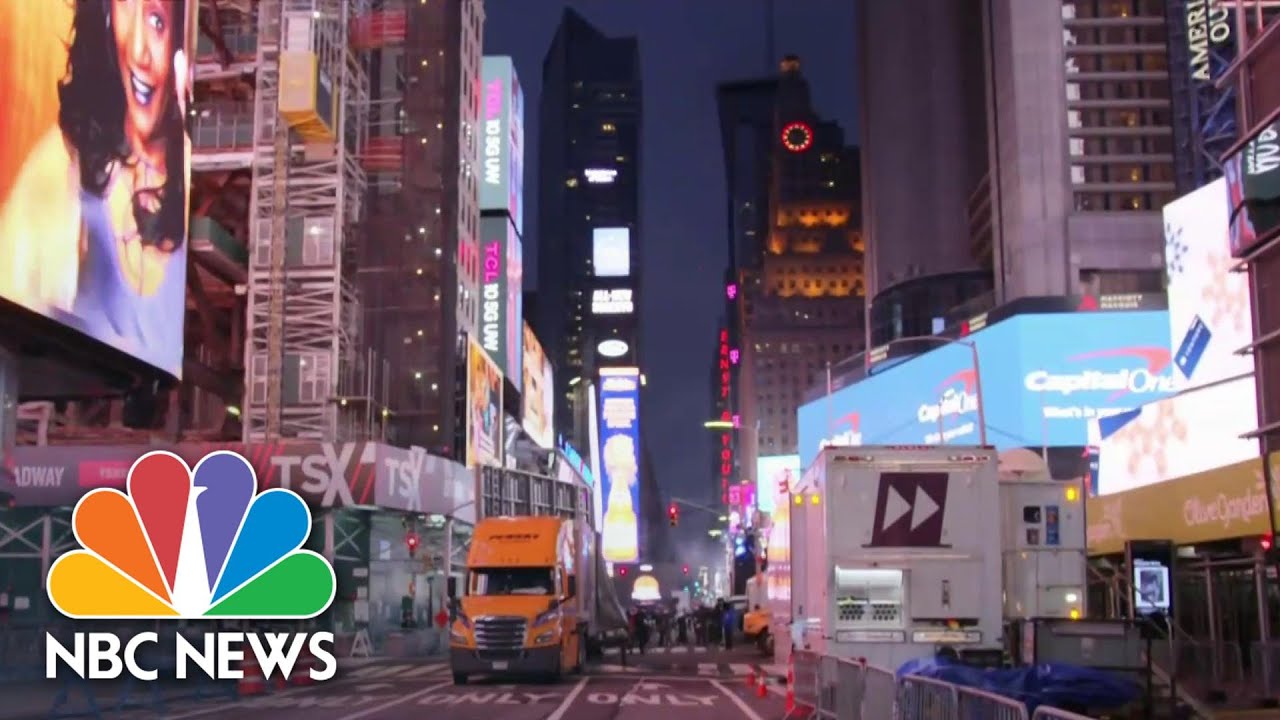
(588, 278)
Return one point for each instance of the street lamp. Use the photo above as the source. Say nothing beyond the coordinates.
(977, 374)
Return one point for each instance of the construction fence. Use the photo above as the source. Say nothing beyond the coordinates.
(824, 687)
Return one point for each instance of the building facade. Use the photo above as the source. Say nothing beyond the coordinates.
(587, 294)
(797, 291)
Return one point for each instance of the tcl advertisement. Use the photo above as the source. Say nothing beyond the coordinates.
(775, 474)
(501, 294)
(484, 408)
(1043, 377)
(539, 392)
(620, 457)
(1210, 318)
(94, 168)
(502, 140)
(1253, 181)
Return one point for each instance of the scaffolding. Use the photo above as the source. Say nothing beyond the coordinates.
(308, 187)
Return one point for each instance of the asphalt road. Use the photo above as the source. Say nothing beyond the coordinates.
(706, 686)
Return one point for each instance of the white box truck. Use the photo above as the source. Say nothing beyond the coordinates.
(893, 552)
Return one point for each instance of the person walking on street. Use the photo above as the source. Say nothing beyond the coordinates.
(729, 624)
(642, 629)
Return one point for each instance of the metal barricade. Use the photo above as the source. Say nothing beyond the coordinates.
(805, 676)
(974, 704)
(1048, 713)
(880, 691)
(926, 699)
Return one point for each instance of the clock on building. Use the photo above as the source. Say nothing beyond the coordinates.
(797, 137)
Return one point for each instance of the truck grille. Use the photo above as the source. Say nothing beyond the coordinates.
(500, 633)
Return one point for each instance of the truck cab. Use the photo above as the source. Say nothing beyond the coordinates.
(522, 608)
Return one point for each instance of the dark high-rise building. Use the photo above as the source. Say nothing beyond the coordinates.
(796, 247)
(587, 292)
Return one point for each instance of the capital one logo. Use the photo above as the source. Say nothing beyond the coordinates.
(956, 396)
(184, 545)
(851, 434)
(1142, 371)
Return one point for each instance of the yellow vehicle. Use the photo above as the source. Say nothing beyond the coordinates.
(529, 599)
(755, 622)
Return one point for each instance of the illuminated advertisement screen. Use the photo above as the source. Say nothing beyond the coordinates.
(1043, 378)
(775, 475)
(502, 140)
(1253, 184)
(593, 438)
(539, 392)
(618, 301)
(620, 456)
(501, 293)
(611, 251)
(1210, 318)
(94, 169)
(484, 408)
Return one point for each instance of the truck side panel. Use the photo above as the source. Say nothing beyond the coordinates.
(1044, 548)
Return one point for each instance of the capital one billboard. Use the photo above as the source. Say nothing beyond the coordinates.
(501, 295)
(502, 140)
(1043, 378)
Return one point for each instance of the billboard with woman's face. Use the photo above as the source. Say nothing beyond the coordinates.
(484, 408)
(94, 168)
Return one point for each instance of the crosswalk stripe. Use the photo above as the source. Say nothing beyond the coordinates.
(679, 649)
(700, 648)
(708, 669)
(740, 668)
(421, 670)
(367, 671)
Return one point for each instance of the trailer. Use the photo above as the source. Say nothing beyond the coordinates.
(892, 553)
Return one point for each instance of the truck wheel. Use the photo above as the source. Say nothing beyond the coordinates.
(459, 678)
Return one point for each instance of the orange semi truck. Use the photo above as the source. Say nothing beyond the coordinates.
(536, 599)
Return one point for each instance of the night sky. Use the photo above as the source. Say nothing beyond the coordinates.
(686, 47)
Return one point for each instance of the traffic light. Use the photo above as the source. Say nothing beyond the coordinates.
(1265, 542)
(685, 569)
(411, 542)
(673, 514)
(622, 570)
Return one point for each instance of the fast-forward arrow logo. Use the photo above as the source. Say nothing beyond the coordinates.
(909, 510)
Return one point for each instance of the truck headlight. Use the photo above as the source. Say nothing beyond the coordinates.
(547, 636)
(549, 616)
(457, 637)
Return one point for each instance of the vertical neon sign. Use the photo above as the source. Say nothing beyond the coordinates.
(726, 437)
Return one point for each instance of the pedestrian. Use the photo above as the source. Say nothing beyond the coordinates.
(730, 623)
(642, 629)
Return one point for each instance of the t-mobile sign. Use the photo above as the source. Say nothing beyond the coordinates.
(501, 285)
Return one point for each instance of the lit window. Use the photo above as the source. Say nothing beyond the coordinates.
(609, 128)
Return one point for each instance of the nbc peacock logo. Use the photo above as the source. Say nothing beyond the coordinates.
(184, 544)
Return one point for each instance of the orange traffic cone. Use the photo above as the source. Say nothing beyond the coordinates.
(762, 689)
(751, 676)
(251, 681)
(791, 683)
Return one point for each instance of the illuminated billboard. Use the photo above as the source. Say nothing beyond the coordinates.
(1044, 377)
(502, 140)
(1253, 181)
(600, 176)
(1210, 318)
(618, 301)
(775, 476)
(611, 251)
(593, 438)
(539, 392)
(620, 455)
(94, 169)
(501, 294)
(484, 408)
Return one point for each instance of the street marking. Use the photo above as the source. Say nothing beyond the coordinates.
(746, 709)
(419, 671)
(374, 687)
(559, 712)
(679, 649)
(699, 648)
(401, 700)
(708, 669)
(481, 697)
(740, 669)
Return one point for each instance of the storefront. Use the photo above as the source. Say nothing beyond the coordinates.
(1029, 381)
(367, 500)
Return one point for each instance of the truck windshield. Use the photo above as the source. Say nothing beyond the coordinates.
(512, 581)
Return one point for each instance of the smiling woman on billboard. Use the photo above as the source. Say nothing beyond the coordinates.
(93, 223)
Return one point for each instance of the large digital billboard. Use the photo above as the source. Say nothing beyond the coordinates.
(94, 168)
(775, 475)
(484, 408)
(539, 392)
(502, 140)
(1253, 180)
(501, 294)
(1210, 318)
(611, 251)
(620, 457)
(1043, 378)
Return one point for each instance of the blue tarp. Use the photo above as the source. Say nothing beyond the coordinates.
(1056, 685)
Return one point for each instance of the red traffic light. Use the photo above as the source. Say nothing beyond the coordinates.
(622, 570)
(673, 514)
(1265, 542)
(685, 569)
(411, 541)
